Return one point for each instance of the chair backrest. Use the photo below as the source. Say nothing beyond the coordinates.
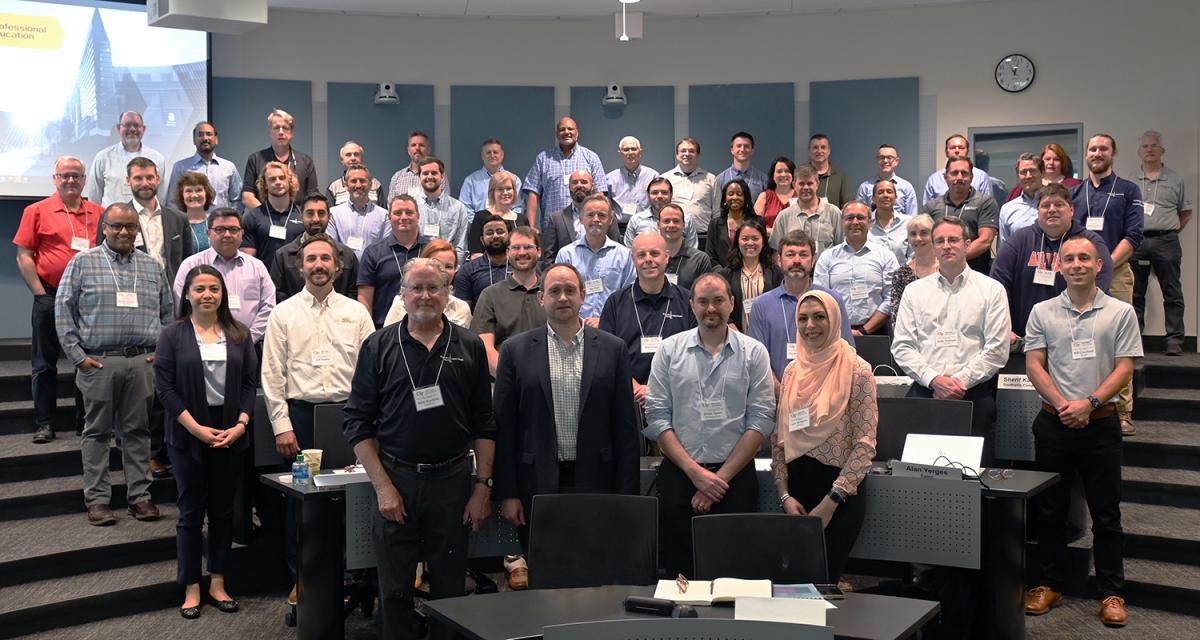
(899, 417)
(876, 350)
(685, 629)
(592, 539)
(782, 548)
(329, 437)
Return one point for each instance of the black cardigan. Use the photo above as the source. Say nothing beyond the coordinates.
(179, 381)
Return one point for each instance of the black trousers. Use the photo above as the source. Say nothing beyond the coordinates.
(205, 486)
(983, 416)
(1094, 453)
(301, 414)
(809, 481)
(675, 492)
(1162, 253)
(433, 531)
(45, 351)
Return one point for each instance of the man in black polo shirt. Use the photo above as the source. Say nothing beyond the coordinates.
(976, 208)
(420, 399)
(280, 125)
(685, 263)
(285, 266)
(511, 307)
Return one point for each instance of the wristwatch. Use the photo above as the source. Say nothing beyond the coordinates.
(1095, 402)
(837, 497)
(487, 482)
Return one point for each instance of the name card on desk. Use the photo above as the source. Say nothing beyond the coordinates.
(914, 470)
(1018, 382)
(339, 477)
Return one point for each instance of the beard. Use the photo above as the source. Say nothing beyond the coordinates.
(494, 250)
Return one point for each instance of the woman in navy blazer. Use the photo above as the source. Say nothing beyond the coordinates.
(204, 370)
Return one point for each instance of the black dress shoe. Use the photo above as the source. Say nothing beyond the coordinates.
(44, 434)
(224, 606)
(191, 613)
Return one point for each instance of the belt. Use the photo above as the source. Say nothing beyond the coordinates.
(128, 352)
(423, 467)
(1103, 412)
(1155, 234)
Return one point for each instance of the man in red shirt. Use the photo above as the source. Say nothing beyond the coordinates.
(52, 231)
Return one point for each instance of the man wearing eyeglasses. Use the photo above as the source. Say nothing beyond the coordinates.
(886, 160)
(251, 291)
(106, 183)
(627, 184)
(110, 306)
(52, 231)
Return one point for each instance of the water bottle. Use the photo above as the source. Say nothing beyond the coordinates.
(300, 471)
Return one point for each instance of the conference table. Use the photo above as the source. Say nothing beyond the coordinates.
(522, 614)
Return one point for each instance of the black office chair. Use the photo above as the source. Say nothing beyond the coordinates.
(782, 548)
(591, 540)
(899, 417)
(876, 350)
(329, 437)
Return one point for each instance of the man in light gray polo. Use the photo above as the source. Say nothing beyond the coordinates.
(1167, 207)
(1079, 353)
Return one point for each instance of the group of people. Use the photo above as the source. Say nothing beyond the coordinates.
(713, 315)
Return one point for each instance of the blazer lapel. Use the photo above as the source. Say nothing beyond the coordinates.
(589, 365)
(541, 351)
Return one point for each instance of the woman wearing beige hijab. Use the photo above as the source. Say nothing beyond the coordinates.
(825, 434)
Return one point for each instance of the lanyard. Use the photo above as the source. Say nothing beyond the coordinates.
(1075, 324)
(445, 350)
(1087, 198)
(116, 282)
(1042, 250)
(491, 271)
(790, 335)
(286, 214)
(71, 223)
(1145, 182)
(641, 331)
(399, 267)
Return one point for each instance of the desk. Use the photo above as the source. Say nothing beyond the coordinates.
(522, 614)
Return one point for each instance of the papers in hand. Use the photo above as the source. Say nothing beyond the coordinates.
(709, 592)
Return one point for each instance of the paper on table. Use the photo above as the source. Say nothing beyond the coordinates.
(791, 610)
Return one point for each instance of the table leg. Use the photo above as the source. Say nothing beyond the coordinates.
(322, 544)
(1003, 562)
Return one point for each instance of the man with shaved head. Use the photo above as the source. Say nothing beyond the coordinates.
(547, 185)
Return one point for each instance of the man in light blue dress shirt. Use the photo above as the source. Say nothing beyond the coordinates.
(359, 222)
(710, 406)
(474, 191)
(441, 215)
(627, 183)
(1022, 211)
(223, 176)
(956, 147)
(741, 147)
(659, 193)
(547, 183)
(886, 160)
(860, 271)
(605, 264)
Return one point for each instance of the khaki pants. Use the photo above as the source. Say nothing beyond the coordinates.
(1122, 289)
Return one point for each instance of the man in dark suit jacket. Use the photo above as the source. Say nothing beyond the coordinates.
(565, 420)
(175, 242)
(560, 229)
(285, 265)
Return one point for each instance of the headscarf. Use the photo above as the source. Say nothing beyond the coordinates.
(819, 379)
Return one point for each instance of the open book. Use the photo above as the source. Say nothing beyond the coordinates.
(710, 592)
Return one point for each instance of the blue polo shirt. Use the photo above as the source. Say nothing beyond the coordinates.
(380, 267)
(631, 313)
(611, 267)
(477, 275)
(1118, 201)
(773, 323)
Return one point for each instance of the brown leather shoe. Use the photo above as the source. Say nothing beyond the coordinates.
(145, 511)
(1112, 611)
(158, 469)
(1127, 428)
(518, 572)
(100, 515)
(1039, 600)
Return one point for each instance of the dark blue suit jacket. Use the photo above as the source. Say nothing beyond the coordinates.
(608, 444)
(179, 381)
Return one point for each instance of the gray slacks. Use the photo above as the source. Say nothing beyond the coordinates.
(116, 397)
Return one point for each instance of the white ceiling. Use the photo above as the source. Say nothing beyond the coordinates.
(579, 9)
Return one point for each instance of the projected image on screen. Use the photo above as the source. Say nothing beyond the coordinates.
(69, 69)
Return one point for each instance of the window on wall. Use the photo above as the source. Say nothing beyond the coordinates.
(996, 148)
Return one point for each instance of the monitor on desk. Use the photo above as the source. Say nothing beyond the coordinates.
(899, 417)
(329, 437)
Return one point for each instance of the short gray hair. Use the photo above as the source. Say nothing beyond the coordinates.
(414, 263)
(1151, 133)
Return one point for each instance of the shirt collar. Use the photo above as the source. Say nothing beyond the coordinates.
(199, 159)
(239, 258)
(693, 341)
(632, 175)
(513, 285)
(1097, 303)
(639, 294)
(114, 256)
(310, 301)
(141, 210)
(608, 242)
(404, 335)
(575, 339)
(959, 280)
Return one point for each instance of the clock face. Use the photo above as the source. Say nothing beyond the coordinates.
(1014, 73)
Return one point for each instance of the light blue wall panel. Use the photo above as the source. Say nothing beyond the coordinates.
(240, 108)
(522, 118)
(382, 130)
(766, 111)
(649, 116)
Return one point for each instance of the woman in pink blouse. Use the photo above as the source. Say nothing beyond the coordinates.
(825, 430)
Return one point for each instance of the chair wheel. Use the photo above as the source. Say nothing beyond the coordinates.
(289, 618)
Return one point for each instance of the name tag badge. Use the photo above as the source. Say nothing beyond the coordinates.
(945, 339)
(628, 208)
(322, 357)
(1143, 263)
(354, 242)
(427, 398)
(567, 181)
(127, 299)
(235, 302)
(79, 244)
(651, 344)
(1149, 208)
(1095, 223)
(1083, 349)
(279, 232)
(859, 291)
(430, 230)
(791, 351)
(595, 285)
(212, 352)
(673, 278)
(798, 420)
(1043, 276)
(712, 410)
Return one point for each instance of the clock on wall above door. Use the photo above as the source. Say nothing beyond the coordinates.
(1014, 73)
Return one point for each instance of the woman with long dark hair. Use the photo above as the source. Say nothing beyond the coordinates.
(204, 371)
(751, 268)
(735, 209)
